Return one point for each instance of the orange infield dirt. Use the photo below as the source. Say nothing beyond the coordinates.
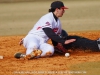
(9, 45)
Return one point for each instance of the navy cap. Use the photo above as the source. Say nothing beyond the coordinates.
(58, 4)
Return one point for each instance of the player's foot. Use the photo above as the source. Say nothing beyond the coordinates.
(98, 41)
(34, 54)
(19, 55)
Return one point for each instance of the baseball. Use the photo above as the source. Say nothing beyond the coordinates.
(1, 57)
(67, 54)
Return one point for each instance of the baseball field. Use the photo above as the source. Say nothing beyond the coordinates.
(17, 18)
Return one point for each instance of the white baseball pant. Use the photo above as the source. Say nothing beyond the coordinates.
(32, 42)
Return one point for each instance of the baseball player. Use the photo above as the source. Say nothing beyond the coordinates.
(80, 43)
(48, 27)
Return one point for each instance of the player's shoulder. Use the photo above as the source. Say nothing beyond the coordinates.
(48, 15)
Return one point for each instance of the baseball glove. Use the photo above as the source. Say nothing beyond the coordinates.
(60, 49)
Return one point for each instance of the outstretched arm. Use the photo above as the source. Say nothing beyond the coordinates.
(49, 32)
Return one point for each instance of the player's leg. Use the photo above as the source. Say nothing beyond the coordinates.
(47, 50)
(31, 44)
(83, 43)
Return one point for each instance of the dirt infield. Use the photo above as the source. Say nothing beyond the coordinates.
(42, 66)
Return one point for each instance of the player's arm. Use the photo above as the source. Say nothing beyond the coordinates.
(49, 32)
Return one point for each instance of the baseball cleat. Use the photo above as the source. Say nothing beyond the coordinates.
(19, 55)
(34, 54)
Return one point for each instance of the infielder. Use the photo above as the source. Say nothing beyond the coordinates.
(48, 27)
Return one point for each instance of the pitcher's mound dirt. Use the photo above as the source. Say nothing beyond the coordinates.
(9, 45)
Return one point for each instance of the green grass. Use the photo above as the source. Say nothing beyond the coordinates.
(19, 18)
(87, 68)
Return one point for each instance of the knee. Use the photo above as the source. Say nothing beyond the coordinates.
(48, 53)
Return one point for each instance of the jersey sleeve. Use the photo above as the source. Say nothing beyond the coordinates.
(47, 23)
(53, 36)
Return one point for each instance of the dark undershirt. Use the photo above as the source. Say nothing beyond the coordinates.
(55, 17)
(54, 37)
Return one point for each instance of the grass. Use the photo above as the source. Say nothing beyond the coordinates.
(87, 68)
(19, 18)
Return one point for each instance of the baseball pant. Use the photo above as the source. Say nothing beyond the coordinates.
(32, 42)
(82, 43)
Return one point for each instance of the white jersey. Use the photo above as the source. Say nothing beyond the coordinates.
(47, 20)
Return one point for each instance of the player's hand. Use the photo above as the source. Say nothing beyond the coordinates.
(21, 42)
(69, 41)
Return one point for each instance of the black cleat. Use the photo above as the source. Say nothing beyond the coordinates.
(19, 55)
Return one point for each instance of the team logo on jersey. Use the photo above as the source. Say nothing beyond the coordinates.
(47, 23)
(39, 28)
(55, 29)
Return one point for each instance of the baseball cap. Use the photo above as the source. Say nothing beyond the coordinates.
(58, 4)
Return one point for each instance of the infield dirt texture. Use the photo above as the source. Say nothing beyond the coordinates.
(16, 19)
